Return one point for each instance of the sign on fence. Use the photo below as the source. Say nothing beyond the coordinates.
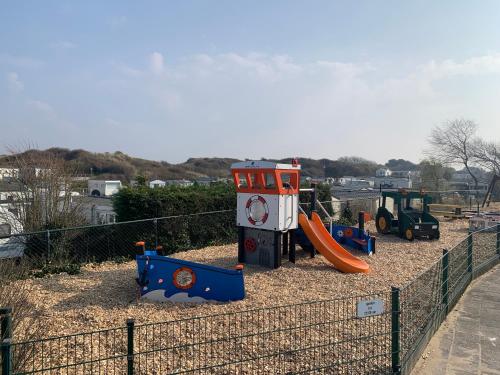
(370, 308)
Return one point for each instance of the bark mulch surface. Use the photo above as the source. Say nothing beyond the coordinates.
(104, 295)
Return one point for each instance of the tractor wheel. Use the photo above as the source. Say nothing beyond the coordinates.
(383, 223)
(409, 235)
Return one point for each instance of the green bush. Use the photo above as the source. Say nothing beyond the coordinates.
(177, 233)
(141, 202)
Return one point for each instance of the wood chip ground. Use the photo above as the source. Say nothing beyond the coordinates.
(105, 295)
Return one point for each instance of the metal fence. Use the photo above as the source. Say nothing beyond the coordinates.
(319, 337)
(426, 300)
(314, 337)
(105, 242)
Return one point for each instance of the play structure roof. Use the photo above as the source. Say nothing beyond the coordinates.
(262, 164)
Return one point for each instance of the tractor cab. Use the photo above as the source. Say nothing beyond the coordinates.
(410, 215)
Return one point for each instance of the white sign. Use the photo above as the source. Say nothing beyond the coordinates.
(370, 308)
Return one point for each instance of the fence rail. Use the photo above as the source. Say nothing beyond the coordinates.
(106, 242)
(312, 337)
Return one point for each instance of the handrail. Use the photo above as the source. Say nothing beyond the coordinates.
(327, 215)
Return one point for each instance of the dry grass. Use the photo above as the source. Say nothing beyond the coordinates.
(104, 295)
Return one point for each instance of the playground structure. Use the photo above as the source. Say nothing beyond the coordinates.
(268, 218)
(161, 278)
(413, 218)
(354, 237)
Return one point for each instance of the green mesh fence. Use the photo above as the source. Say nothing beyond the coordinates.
(316, 337)
(106, 242)
(427, 300)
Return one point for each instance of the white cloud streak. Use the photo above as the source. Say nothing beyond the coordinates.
(14, 83)
(156, 62)
(41, 106)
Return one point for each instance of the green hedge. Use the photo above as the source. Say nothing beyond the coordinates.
(134, 203)
(175, 234)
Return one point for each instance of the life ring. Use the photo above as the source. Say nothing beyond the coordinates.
(250, 245)
(184, 278)
(257, 210)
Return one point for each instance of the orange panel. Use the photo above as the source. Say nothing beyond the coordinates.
(258, 185)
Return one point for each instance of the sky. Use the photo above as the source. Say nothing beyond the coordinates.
(169, 80)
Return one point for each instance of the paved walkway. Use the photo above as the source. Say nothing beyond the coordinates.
(468, 342)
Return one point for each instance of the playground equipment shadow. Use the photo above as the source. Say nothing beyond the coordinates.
(104, 295)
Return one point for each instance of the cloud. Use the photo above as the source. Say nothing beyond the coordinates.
(13, 82)
(479, 65)
(156, 63)
(255, 104)
(270, 97)
(41, 106)
(62, 45)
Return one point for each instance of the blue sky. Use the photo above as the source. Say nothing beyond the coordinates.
(170, 80)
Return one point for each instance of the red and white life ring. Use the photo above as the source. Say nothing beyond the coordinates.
(257, 210)
(184, 278)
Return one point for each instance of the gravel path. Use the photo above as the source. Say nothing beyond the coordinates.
(104, 295)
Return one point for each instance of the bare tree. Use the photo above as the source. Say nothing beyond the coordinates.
(487, 155)
(453, 144)
(43, 198)
(432, 173)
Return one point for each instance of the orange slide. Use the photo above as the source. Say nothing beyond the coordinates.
(322, 241)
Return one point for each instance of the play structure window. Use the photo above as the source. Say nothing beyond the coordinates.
(257, 180)
(270, 181)
(242, 180)
(288, 181)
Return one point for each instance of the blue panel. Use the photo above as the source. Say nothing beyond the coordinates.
(346, 236)
(207, 283)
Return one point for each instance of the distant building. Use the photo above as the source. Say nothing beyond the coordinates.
(392, 183)
(383, 172)
(8, 173)
(157, 183)
(205, 181)
(357, 200)
(354, 182)
(401, 174)
(9, 191)
(182, 183)
(104, 188)
(462, 180)
(97, 210)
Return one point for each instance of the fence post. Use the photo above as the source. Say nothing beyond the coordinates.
(498, 239)
(6, 323)
(396, 331)
(469, 255)
(6, 347)
(156, 232)
(6, 339)
(130, 346)
(48, 245)
(444, 280)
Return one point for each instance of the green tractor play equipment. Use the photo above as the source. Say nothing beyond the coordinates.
(413, 217)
